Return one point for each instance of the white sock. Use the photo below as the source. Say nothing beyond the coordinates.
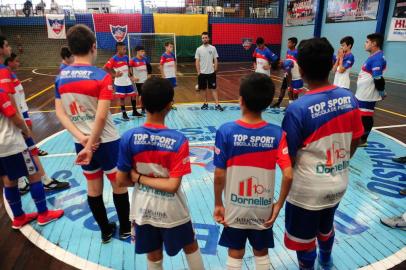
(262, 263)
(404, 216)
(22, 182)
(45, 179)
(195, 261)
(290, 101)
(154, 265)
(233, 264)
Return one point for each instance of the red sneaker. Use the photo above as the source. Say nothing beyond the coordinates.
(20, 221)
(49, 216)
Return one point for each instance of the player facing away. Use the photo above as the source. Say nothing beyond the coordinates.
(15, 159)
(141, 68)
(263, 58)
(291, 70)
(50, 184)
(246, 154)
(344, 63)
(371, 84)
(322, 131)
(206, 67)
(118, 68)
(153, 159)
(83, 94)
(66, 56)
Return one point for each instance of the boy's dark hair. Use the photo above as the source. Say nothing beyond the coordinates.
(257, 91)
(139, 48)
(205, 34)
(377, 38)
(348, 40)
(315, 58)
(293, 40)
(260, 41)
(156, 94)
(168, 43)
(120, 44)
(11, 58)
(65, 52)
(80, 39)
(2, 41)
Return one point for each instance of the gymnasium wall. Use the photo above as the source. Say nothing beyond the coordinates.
(394, 51)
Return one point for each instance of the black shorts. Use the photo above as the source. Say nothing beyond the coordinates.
(139, 88)
(207, 81)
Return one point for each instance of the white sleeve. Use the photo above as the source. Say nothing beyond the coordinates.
(197, 55)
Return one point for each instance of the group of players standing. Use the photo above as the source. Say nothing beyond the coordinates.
(153, 159)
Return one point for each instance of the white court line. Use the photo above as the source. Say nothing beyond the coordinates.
(42, 74)
(392, 126)
(392, 138)
(59, 155)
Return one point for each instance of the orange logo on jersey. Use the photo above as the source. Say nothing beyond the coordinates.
(76, 109)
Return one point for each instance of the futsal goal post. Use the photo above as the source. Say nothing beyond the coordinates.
(154, 44)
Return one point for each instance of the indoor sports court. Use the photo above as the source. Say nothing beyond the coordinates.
(368, 231)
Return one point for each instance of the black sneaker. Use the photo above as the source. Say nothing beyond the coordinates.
(403, 192)
(276, 105)
(106, 237)
(23, 186)
(173, 108)
(125, 116)
(205, 106)
(56, 185)
(136, 113)
(42, 153)
(124, 235)
(219, 108)
(143, 110)
(400, 160)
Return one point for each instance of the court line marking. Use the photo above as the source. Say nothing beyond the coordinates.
(80, 263)
(39, 93)
(42, 74)
(391, 112)
(26, 80)
(392, 126)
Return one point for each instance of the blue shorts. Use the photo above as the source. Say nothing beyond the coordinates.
(304, 226)
(173, 82)
(149, 238)
(125, 91)
(237, 238)
(104, 159)
(18, 165)
(297, 86)
(367, 108)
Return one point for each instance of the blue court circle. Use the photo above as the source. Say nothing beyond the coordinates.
(361, 240)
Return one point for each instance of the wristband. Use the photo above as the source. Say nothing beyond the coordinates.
(139, 178)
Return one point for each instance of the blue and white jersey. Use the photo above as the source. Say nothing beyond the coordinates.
(249, 154)
(373, 68)
(264, 57)
(319, 130)
(343, 79)
(156, 151)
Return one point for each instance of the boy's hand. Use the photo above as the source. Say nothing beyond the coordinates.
(276, 208)
(219, 215)
(266, 67)
(134, 176)
(134, 79)
(118, 74)
(84, 157)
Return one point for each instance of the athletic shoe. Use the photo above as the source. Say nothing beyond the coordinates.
(276, 105)
(56, 185)
(125, 117)
(205, 106)
(143, 110)
(365, 144)
(106, 237)
(136, 113)
(19, 222)
(124, 235)
(23, 185)
(403, 192)
(219, 108)
(394, 222)
(174, 108)
(400, 160)
(325, 265)
(42, 153)
(49, 216)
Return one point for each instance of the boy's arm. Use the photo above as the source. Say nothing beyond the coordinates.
(219, 182)
(108, 67)
(161, 69)
(103, 108)
(67, 123)
(216, 63)
(169, 184)
(197, 64)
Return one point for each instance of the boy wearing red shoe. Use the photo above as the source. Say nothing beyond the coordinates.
(15, 160)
